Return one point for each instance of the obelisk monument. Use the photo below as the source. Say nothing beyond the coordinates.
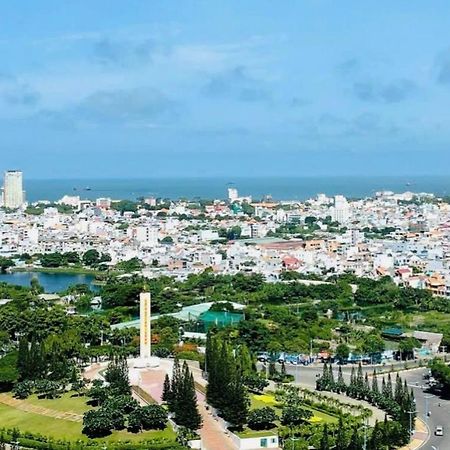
(145, 335)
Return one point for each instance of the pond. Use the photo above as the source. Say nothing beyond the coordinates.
(51, 282)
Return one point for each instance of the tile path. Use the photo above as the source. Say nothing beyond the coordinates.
(23, 405)
(420, 437)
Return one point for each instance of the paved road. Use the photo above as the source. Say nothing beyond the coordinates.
(306, 375)
(440, 415)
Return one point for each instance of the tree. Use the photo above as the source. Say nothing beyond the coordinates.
(23, 389)
(342, 353)
(188, 414)
(23, 364)
(407, 346)
(117, 376)
(294, 415)
(131, 265)
(340, 385)
(441, 372)
(167, 390)
(341, 440)
(5, 264)
(375, 393)
(98, 392)
(376, 441)
(262, 418)
(389, 387)
(373, 345)
(134, 421)
(359, 383)
(255, 382)
(181, 397)
(8, 371)
(398, 393)
(125, 403)
(355, 441)
(36, 288)
(236, 409)
(91, 257)
(325, 439)
(153, 417)
(97, 423)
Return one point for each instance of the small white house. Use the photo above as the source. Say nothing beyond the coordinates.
(253, 443)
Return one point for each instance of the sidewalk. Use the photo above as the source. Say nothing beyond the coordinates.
(420, 436)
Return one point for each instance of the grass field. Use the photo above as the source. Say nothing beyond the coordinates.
(67, 402)
(11, 417)
(268, 399)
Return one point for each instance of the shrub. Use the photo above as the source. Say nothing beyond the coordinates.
(23, 389)
(262, 418)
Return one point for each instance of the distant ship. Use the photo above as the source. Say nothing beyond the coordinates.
(87, 188)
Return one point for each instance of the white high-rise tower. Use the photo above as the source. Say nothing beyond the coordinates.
(232, 194)
(13, 194)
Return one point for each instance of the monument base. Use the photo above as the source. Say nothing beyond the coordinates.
(145, 363)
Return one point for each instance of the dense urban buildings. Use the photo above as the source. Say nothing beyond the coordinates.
(405, 236)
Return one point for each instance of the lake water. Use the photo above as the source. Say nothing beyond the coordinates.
(51, 282)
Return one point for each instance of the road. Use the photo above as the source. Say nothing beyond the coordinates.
(306, 375)
(440, 415)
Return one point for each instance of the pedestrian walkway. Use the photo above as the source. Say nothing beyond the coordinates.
(23, 405)
(151, 381)
(212, 435)
(420, 436)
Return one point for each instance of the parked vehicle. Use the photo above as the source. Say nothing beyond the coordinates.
(439, 431)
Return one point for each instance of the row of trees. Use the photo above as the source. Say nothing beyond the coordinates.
(383, 436)
(179, 395)
(226, 369)
(43, 360)
(91, 258)
(398, 401)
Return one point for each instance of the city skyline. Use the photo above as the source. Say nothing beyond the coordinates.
(311, 88)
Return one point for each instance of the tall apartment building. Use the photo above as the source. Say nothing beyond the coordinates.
(13, 193)
(341, 210)
(232, 194)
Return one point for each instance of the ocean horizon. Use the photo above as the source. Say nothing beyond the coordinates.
(279, 188)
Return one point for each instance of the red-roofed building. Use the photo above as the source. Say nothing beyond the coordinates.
(290, 263)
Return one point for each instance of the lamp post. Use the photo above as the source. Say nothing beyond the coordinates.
(427, 412)
(410, 421)
(365, 426)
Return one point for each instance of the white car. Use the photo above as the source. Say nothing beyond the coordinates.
(439, 431)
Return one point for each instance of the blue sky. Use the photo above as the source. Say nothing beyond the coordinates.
(208, 88)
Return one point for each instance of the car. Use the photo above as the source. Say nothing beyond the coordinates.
(439, 431)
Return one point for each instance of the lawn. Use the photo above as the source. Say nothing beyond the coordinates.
(11, 417)
(249, 433)
(68, 402)
(268, 399)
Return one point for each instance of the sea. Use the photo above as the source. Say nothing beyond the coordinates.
(279, 188)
